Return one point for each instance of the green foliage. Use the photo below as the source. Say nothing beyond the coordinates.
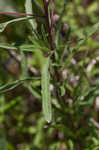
(46, 95)
(49, 68)
(3, 25)
(28, 8)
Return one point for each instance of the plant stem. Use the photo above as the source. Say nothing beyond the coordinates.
(19, 14)
(48, 25)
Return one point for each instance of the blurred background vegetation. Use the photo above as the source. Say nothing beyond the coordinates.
(22, 126)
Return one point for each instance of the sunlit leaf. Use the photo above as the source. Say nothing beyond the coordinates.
(46, 95)
(93, 29)
(29, 10)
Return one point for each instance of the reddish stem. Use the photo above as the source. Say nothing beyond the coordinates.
(19, 14)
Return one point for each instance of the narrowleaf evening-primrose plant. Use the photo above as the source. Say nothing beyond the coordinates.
(57, 77)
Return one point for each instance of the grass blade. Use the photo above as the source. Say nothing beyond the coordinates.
(28, 8)
(46, 95)
(93, 29)
(14, 84)
(4, 25)
(24, 65)
(24, 47)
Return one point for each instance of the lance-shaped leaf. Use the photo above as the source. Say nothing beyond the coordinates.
(7, 46)
(46, 95)
(28, 8)
(14, 84)
(25, 75)
(93, 29)
(4, 25)
(24, 47)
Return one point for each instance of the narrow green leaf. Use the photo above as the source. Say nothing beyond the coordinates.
(14, 84)
(24, 47)
(35, 92)
(33, 48)
(63, 91)
(70, 144)
(24, 65)
(29, 10)
(46, 95)
(93, 29)
(44, 36)
(4, 25)
(58, 26)
(9, 105)
(10, 86)
(7, 46)
(24, 69)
